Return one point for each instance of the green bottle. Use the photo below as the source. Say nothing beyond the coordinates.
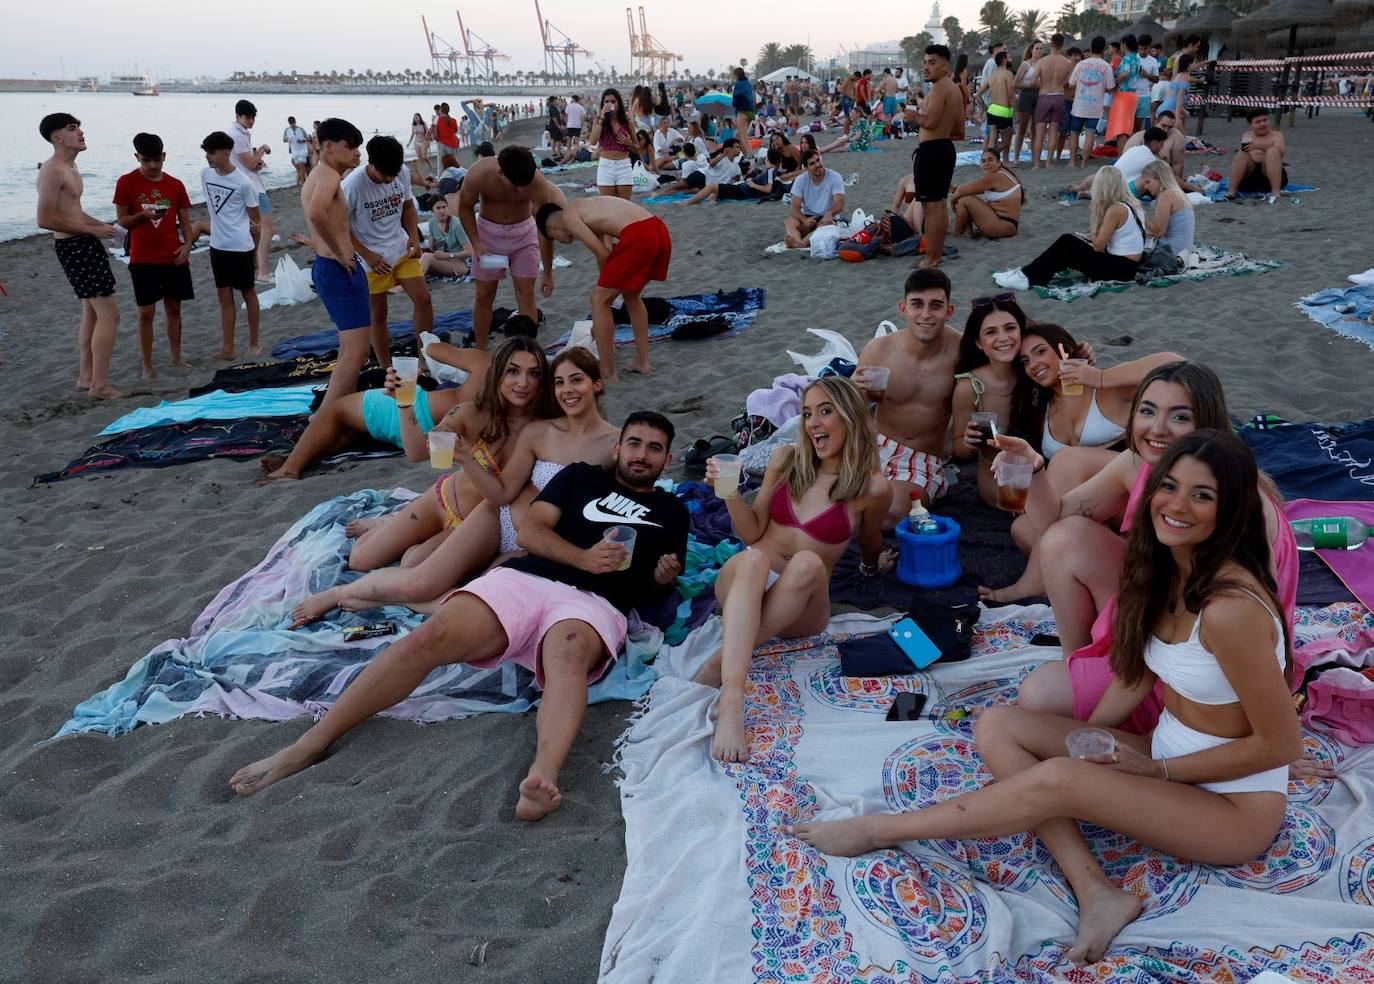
(1330, 533)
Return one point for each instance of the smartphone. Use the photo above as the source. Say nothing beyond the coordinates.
(915, 643)
(369, 631)
(907, 707)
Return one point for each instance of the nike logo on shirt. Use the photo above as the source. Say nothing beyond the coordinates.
(616, 508)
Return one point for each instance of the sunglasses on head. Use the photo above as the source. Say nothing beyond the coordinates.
(987, 302)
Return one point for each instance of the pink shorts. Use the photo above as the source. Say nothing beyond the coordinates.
(528, 607)
(1090, 673)
(519, 243)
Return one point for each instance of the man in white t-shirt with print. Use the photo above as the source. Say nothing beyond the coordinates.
(1090, 80)
(384, 226)
(298, 145)
(232, 203)
(817, 199)
(248, 160)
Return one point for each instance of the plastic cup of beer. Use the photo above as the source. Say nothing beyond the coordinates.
(727, 477)
(1090, 741)
(1013, 482)
(625, 537)
(408, 370)
(874, 382)
(986, 424)
(1070, 389)
(494, 261)
(441, 449)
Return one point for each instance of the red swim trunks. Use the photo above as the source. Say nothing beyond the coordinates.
(641, 255)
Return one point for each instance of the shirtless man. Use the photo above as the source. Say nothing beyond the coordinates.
(887, 88)
(1054, 71)
(510, 188)
(940, 116)
(1258, 165)
(641, 253)
(913, 419)
(1000, 100)
(77, 237)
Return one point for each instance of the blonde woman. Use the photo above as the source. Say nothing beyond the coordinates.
(1111, 250)
(1173, 222)
(831, 477)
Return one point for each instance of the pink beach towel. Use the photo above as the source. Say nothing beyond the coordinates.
(1355, 568)
(1340, 698)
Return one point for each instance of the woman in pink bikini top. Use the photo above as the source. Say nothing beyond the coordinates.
(831, 478)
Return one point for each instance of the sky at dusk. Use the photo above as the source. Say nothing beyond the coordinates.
(172, 39)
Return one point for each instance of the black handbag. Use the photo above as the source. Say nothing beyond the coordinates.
(950, 627)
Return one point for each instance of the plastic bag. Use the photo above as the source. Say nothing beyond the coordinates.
(582, 337)
(859, 219)
(441, 371)
(292, 286)
(886, 328)
(824, 240)
(836, 345)
(640, 179)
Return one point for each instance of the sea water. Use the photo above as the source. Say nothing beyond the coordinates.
(182, 120)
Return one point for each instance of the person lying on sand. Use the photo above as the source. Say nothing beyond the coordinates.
(373, 413)
(1211, 790)
(559, 612)
(642, 251)
(832, 476)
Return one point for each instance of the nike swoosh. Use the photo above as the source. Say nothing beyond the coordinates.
(596, 514)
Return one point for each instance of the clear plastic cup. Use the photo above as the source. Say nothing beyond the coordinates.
(625, 537)
(409, 370)
(1090, 741)
(1013, 482)
(727, 481)
(441, 449)
(494, 261)
(1071, 389)
(873, 381)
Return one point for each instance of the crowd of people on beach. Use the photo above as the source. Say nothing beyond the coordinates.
(1163, 551)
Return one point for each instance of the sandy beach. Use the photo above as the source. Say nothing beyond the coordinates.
(399, 857)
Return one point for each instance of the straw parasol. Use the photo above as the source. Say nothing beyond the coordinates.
(1285, 14)
(1214, 20)
(1308, 36)
(1351, 13)
(1143, 26)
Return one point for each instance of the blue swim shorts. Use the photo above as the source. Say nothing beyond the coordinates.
(383, 418)
(1077, 124)
(345, 297)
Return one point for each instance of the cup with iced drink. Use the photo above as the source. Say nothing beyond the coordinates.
(1067, 388)
(1087, 742)
(1013, 482)
(622, 536)
(986, 424)
(873, 381)
(408, 370)
(441, 449)
(727, 475)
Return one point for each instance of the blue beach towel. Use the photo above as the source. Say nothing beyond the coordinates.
(740, 307)
(280, 401)
(327, 340)
(1316, 460)
(1321, 308)
(1219, 193)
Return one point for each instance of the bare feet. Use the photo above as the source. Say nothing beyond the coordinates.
(928, 263)
(106, 392)
(274, 470)
(255, 350)
(179, 363)
(83, 384)
(639, 367)
(838, 838)
(358, 527)
(731, 743)
(1002, 596)
(610, 379)
(538, 798)
(225, 355)
(313, 608)
(263, 773)
(1101, 916)
(147, 372)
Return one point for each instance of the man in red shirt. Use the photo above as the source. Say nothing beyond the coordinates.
(446, 133)
(151, 205)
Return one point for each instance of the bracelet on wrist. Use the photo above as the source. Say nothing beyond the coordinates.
(868, 570)
(1165, 763)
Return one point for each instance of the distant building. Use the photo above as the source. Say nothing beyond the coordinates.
(1127, 9)
(933, 26)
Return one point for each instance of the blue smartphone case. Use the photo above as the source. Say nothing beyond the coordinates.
(915, 643)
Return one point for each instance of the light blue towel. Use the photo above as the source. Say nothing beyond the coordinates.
(280, 401)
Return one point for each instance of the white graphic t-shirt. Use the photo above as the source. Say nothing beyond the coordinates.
(228, 197)
(299, 142)
(374, 211)
(1093, 77)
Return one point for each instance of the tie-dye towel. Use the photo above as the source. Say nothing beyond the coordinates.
(1345, 310)
(1203, 263)
(763, 906)
(739, 307)
(241, 661)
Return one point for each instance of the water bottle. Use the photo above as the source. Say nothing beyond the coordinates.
(922, 524)
(1330, 533)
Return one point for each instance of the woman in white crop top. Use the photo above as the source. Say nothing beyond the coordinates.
(1210, 787)
(488, 530)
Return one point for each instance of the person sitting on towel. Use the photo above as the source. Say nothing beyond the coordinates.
(759, 184)
(559, 612)
(817, 200)
(641, 253)
(1258, 165)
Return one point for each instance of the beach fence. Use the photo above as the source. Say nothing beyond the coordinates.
(1283, 85)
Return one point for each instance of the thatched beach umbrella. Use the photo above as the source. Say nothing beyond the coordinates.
(1214, 20)
(1285, 15)
(1143, 26)
(1308, 36)
(1350, 14)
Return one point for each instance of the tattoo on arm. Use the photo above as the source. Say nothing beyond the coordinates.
(1086, 507)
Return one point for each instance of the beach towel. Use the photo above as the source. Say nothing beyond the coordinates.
(739, 307)
(326, 341)
(1316, 460)
(281, 401)
(1355, 568)
(181, 443)
(240, 661)
(1202, 263)
(1345, 310)
(262, 375)
(1218, 194)
(763, 906)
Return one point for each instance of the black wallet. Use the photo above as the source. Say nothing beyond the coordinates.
(873, 656)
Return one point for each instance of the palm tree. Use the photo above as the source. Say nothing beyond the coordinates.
(797, 54)
(770, 57)
(954, 33)
(914, 47)
(994, 16)
(1030, 23)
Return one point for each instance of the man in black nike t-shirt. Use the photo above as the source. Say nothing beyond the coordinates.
(559, 612)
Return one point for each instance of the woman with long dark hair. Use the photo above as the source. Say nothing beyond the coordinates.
(991, 203)
(614, 139)
(1199, 615)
